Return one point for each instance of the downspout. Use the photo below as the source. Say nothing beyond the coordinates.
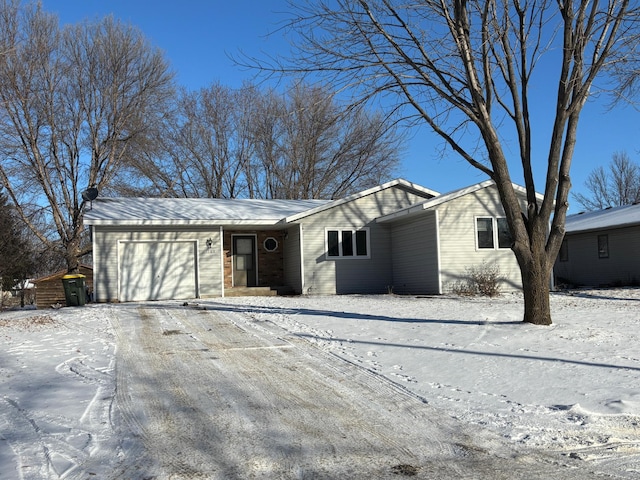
(438, 253)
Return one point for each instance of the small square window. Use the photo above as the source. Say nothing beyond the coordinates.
(603, 246)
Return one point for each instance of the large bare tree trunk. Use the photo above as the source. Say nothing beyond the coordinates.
(536, 282)
(72, 255)
(75, 104)
(468, 70)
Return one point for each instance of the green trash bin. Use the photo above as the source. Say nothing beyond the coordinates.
(74, 290)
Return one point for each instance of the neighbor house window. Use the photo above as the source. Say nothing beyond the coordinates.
(603, 246)
(347, 243)
(563, 255)
(492, 231)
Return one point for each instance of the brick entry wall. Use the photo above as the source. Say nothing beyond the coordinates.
(270, 264)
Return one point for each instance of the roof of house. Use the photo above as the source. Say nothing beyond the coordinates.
(420, 190)
(220, 211)
(193, 211)
(614, 217)
(447, 197)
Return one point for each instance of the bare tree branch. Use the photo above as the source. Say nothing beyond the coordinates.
(616, 185)
(75, 103)
(467, 69)
(225, 143)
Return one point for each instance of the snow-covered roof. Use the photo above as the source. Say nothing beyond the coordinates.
(419, 189)
(447, 197)
(614, 217)
(194, 211)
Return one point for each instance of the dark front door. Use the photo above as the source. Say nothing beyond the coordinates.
(244, 261)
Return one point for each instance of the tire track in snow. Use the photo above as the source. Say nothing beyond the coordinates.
(208, 396)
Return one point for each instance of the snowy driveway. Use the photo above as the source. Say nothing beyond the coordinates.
(232, 390)
(200, 395)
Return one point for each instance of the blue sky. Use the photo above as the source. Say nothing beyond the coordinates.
(198, 36)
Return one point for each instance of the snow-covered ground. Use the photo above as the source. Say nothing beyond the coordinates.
(573, 387)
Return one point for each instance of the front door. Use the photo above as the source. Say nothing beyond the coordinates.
(244, 261)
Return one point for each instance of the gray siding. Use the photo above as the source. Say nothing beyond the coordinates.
(292, 261)
(352, 275)
(106, 252)
(458, 250)
(414, 253)
(585, 268)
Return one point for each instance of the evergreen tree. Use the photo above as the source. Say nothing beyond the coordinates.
(16, 256)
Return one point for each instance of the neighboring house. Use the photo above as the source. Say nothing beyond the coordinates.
(398, 236)
(601, 248)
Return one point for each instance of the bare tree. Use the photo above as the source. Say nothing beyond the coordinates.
(75, 103)
(618, 184)
(202, 147)
(465, 68)
(311, 146)
(225, 143)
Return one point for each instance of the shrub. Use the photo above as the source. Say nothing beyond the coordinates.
(482, 280)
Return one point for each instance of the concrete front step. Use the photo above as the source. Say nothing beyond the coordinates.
(249, 292)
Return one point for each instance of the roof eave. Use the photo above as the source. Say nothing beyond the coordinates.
(601, 228)
(179, 223)
(397, 182)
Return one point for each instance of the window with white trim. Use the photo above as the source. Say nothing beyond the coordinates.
(347, 243)
(492, 231)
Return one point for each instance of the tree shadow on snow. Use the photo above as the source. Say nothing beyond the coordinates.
(604, 294)
(468, 352)
(346, 315)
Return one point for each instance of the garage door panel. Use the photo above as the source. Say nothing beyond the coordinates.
(157, 270)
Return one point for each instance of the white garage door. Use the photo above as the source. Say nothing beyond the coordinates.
(157, 270)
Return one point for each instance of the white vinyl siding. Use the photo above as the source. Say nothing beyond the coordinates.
(372, 275)
(414, 251)
(585, 267)
(458, 240)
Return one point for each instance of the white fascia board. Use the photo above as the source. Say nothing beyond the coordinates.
(364, 193)
(165, 223)
(417, 208)
(447, 197)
